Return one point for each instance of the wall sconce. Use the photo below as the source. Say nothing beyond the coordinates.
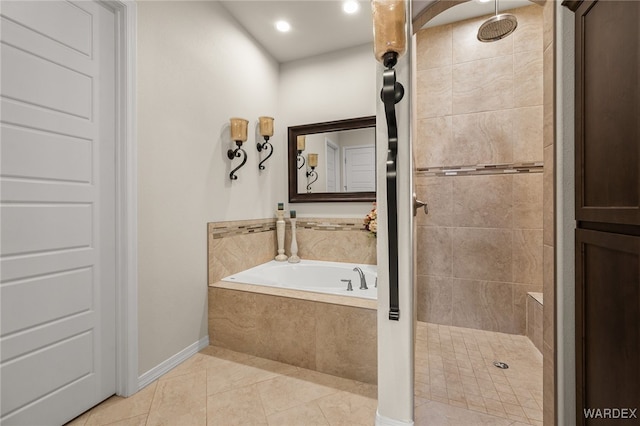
(313, 163)
(300, 144)
(239, 135)
(266, 130)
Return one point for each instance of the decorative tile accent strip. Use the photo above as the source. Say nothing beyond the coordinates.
(231, 229)
(319, 225)
(482, 169)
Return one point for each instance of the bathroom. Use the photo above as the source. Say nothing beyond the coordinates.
(492, 202)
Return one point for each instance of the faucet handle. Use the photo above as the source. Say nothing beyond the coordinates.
(349, 286)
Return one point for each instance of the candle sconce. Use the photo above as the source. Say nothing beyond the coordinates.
(300, 145)
(239, 135)
(266, 131)
(313, 163)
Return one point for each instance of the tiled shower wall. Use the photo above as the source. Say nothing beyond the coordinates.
(239, 245)
(479, 152)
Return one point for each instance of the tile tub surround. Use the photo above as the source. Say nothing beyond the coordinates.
(329, 337)
(239, 245)
(534, 319)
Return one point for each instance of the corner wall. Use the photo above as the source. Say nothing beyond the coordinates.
(196, 68)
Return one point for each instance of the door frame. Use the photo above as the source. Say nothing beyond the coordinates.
(125, 13)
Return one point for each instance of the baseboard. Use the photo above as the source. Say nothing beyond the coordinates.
(171, 363)
(386, 421)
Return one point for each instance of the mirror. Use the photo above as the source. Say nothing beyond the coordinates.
(319, 173)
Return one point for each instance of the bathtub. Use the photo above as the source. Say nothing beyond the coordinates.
(311, 275)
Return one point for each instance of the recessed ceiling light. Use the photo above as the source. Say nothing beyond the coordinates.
(350, 6)
(483, 1)
(283, 26)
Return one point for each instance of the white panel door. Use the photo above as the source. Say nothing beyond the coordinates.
(57, 182)
(360, 168)
(333, 166)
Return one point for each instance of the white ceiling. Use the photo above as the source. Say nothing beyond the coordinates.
(320, 26)
(317, 26)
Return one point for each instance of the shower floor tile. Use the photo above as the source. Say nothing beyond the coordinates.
(456, 384)
(454, 366)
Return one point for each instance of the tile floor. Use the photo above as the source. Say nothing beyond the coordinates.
(455, 385)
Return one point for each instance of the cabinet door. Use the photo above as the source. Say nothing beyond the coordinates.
(607, 112)
(607, 323)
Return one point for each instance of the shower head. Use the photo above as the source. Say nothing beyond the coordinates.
(497, 27)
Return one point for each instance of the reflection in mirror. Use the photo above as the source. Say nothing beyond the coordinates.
(333, 161)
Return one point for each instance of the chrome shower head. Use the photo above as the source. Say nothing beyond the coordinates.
(497, 27)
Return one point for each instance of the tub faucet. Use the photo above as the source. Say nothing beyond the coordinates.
(363, 281)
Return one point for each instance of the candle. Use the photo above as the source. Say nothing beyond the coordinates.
(266, 126)
(239, 129)
(292, 213)
(389, 27)
(301, 142)
(313, 160)
(280, 206)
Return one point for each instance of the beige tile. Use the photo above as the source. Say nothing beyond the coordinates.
(348, 409)
(434, 47)
(527, 256)
(347, 340)
(225, 376)
(548, 325)
(528, 78)
(285, 392)
(527, 134)
(548, 408)
(118, 408)
(232, 319)
(436, 413)
(432, 147)
(548, 96)
(483, 201)
(548, 196)
(527, 200)
(234, 254)
(342, 246)
(520, 305)
(483, 304)
(305, 414)
(180, 400)
(241, 406)
(285, 330)
(482, 254)
(466, 46)
(483, 85)
(434, 92)
(435, 301)
(482, 138)
(134, 421)
(528, 35)
(434, 251)
(548, 13)
(437, 192)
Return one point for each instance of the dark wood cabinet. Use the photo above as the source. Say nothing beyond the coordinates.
(608, 112)
(607, 210)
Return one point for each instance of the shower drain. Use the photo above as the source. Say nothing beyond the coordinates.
(501, 364)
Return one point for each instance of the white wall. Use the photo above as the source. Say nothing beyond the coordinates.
(196, 69)
(329, 87)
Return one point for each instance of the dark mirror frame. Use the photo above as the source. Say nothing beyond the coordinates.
(329, 126)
